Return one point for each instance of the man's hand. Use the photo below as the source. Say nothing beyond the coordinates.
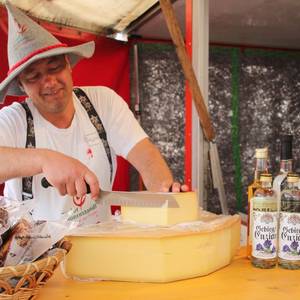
(175, 187)
(156, 174)
(68, 175)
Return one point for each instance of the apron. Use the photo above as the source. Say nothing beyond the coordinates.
(94, 153)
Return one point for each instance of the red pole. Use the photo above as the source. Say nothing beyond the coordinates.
(188, 95)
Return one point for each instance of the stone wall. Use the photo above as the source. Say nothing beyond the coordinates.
(254, 96)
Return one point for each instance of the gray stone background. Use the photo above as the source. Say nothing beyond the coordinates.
(161, 92)
(254, 96)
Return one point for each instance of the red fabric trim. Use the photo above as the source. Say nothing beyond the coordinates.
(26, 58)
(188, 96)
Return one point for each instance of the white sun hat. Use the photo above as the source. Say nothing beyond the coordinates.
(29, 42)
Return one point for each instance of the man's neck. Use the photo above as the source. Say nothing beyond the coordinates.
(61, 119)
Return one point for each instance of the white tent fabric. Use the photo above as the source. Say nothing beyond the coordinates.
(95, 16)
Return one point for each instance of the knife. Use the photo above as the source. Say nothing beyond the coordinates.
(137, 199)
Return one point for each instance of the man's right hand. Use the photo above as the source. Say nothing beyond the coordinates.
(68, 175)
(65, 173)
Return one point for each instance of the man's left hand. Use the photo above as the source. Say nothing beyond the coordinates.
(176, 187)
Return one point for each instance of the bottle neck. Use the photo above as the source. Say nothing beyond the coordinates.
(286, 166)
(261, 166)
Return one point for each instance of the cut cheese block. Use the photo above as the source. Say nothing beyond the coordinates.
(126, 252)
(187, 211)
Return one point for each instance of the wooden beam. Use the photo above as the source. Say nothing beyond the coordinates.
(187, 67)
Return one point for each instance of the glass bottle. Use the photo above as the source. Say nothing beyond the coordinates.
(289, 225)
(286, 165)
(265, 225)
(261, 166)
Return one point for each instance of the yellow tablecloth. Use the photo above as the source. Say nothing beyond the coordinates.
(239, 280)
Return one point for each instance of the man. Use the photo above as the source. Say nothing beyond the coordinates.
(72, 136)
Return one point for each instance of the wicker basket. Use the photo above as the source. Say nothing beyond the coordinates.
(24, 281)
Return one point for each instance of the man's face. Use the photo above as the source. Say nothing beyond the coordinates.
(48, 82)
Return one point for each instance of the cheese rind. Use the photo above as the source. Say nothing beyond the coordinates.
(154, 254)
(186, 212)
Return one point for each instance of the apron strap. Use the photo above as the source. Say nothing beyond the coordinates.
(96, 121)
(30, 143)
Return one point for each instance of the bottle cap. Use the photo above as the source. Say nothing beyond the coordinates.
(292, 177)
(261, 152)
(286, 147)
(265, 178)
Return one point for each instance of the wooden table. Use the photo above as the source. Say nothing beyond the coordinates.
(239, 280)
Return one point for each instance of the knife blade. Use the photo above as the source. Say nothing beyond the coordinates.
(136, 199)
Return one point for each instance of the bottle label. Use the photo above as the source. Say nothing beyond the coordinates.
(264, 234)
(251, 190)
(289, 236)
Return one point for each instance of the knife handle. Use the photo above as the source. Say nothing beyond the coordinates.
(45, 183)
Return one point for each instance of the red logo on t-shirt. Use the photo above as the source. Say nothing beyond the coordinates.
(89, 153)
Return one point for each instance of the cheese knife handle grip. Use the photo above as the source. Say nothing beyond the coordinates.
(45, 183)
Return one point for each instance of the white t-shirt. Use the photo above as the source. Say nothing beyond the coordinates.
(80, 141)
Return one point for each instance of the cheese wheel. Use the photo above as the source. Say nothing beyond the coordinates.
(129, 252)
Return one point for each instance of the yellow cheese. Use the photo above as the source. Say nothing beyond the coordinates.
(187, 211)
(126, 252)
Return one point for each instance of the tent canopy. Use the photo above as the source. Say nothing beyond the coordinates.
(97, 17)
(259, 23)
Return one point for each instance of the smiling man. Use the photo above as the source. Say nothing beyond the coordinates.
(69, 135)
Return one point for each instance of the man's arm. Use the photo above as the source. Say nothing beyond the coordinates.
(146, 158)
(67, 174)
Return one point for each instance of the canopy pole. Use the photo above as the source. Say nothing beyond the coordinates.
(187, 67)
(203, 114)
